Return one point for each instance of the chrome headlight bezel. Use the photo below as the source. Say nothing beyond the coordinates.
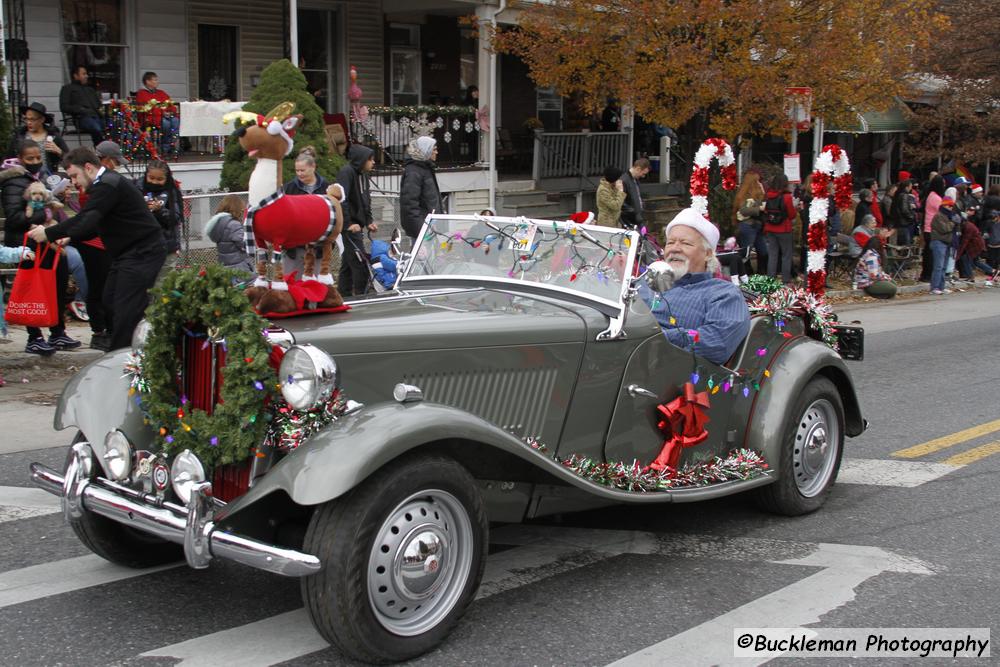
(186, 471)
(118, 455)
(308, 376)
(140, 334)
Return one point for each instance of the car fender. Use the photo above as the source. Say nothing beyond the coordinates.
(798, 361)
(96, 400)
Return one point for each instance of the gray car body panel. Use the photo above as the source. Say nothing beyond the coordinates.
(498, 367)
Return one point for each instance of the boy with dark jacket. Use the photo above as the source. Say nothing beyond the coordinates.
(353, 178)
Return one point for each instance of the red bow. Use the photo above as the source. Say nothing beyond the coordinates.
(305, 290)
(684, 421)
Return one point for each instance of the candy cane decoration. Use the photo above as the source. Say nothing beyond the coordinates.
(832, 164)
(720, 150)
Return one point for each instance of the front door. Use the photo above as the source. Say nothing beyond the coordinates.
(659, 367)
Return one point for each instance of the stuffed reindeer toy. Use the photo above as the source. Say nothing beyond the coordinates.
(276, 222)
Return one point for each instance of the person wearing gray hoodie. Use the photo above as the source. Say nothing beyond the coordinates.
(225, 230)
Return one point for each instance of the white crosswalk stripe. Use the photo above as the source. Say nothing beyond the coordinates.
(887, 472)
(18, 502)
(63, 576)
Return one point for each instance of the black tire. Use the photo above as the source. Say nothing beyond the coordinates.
(119, 543)
(343, 534)
(805, 480)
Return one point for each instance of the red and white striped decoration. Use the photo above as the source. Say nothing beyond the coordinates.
(721, 151)
(831, 165)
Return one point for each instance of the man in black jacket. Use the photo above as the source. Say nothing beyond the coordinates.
(353, 178)
(116, 211)
(81, 101)
(631, 217)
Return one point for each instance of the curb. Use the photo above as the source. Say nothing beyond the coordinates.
(62, 360)
(921, 288)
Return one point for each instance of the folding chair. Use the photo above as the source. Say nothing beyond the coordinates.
(899, 259)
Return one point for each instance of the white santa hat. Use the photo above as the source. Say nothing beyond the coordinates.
(695, 220)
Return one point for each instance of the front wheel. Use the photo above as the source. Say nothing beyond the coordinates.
(402, 557)
(119, 543)
(810, 452)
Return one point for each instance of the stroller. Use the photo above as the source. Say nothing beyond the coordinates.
(381, 262)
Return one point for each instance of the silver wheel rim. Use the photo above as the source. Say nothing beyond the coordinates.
(814, 452)
(420, 562)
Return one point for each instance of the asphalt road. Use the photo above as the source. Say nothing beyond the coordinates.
(908, 538)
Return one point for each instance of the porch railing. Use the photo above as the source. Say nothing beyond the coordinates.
(389, 131)
(581, 155)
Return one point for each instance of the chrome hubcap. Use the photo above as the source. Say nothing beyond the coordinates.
(814, 454)
(420, 562)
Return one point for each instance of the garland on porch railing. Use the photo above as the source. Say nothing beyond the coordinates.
(131, 137)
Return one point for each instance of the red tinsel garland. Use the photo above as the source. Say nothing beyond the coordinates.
(699, 181)
(817, 235)
(843, 188)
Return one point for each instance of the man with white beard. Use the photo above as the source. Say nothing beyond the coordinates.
(698, 309)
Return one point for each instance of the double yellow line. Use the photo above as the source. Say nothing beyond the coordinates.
(946, 441)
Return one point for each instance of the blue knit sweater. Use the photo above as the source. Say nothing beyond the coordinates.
(714, 308)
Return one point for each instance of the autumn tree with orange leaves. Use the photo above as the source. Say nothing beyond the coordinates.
(727, 59)
(963, 121)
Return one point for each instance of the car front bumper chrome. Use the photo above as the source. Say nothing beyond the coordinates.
(190, 526)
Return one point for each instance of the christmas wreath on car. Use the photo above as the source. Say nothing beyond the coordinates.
(204, 305)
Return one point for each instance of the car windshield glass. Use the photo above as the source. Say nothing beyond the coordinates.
(590, 260)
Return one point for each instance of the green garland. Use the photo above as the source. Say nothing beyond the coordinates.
(187, 301)
(453, 110)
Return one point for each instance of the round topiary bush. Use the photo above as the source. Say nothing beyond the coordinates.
(282, 82)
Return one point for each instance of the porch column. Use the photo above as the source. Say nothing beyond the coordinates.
(487, 95)
(293, 29)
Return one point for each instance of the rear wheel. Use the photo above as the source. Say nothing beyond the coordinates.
(810, 453)
(119, 543)
(402, 558)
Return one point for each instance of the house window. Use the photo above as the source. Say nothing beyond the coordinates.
(319, 31)
(404, 64)
(218, 54)
(469, 65)
(92, 37)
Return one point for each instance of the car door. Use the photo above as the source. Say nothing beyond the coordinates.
(655, 374)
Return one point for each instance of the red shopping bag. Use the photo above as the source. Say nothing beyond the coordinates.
(33, 301)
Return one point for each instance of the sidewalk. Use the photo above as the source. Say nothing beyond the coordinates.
(13, 358)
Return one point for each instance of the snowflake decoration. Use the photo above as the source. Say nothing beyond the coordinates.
(447, 137)
(439, 122)
(468, 127)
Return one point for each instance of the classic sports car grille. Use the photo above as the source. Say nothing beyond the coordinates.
(201, 372)
(201, 382)
(517, 400)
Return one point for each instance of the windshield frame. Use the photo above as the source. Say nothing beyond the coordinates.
(612, 308)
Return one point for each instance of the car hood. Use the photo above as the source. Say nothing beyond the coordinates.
(439, 319)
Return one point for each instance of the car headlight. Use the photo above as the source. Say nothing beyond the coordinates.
(117, 455)
(139, 335)
(185, 472)
(308, 376)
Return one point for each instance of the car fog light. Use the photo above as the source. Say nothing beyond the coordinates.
(308, 376)
(185, 472)
(117, 455)
(139, 335)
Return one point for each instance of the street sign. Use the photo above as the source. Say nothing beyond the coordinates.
(792, 168)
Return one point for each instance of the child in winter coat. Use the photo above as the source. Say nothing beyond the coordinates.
(10, 255)
(384, 263)
(225, 229)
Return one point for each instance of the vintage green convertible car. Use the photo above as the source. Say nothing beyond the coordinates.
(511, 374)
